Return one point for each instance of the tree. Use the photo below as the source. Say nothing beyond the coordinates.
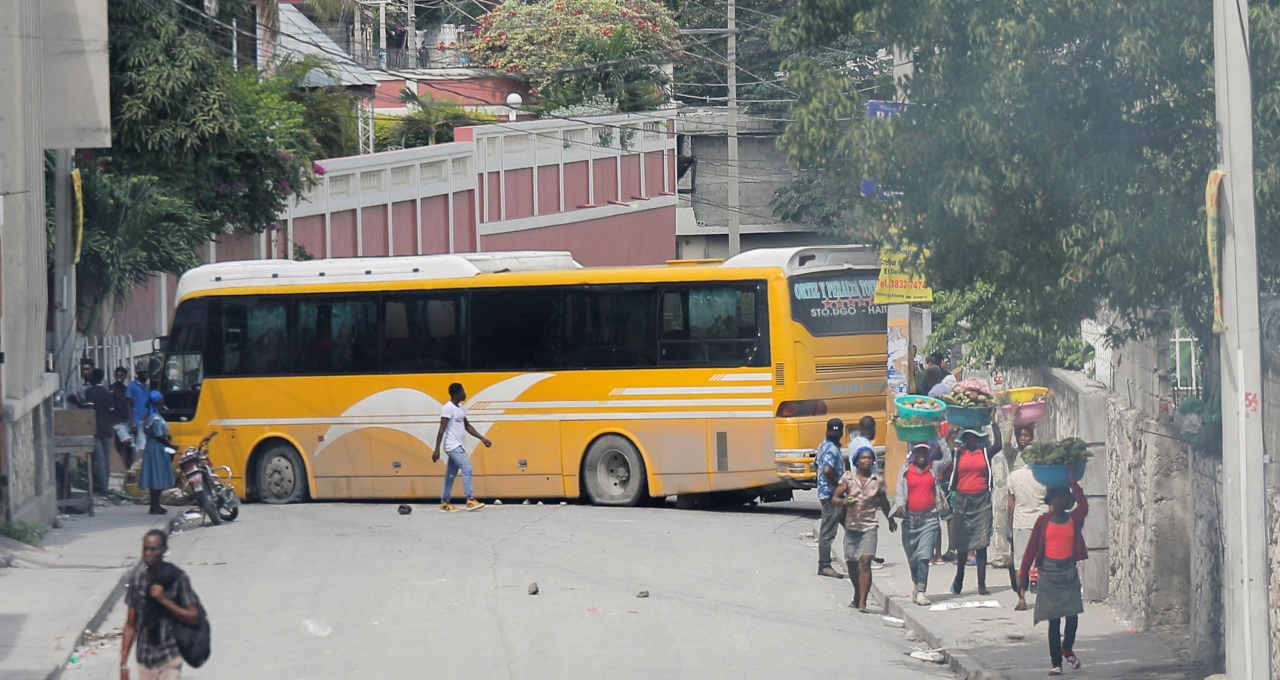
(428, 122)
(1052, 158)
(132, 230)
(576, 51)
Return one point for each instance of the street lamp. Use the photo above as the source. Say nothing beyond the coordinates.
(514, 100)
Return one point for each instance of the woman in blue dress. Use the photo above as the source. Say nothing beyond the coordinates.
(157, 467)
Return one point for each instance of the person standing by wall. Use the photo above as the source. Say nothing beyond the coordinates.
(916, 502)
(122, 416)
(139, 394)
(861, 492)
(971, 483)
(160, 597)
(103, 403)
(830, 465)
(1026, 505)
(1056, 546)
(157, 467)
(80, 397)
(453, 429)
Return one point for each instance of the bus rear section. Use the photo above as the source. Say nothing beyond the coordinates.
(830, 362)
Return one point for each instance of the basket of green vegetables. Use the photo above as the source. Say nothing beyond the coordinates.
(915, 429)
(1051, 463)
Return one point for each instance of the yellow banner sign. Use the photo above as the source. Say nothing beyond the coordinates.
(900, 281)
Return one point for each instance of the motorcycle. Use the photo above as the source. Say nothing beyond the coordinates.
(209, 485)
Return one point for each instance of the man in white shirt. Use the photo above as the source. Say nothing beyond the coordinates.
(1026, 504)
(453, 429)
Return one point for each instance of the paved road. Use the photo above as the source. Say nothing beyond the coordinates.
(337, 590)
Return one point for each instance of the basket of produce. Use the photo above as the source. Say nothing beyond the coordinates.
(1023, 395)
(914, 429)
(926, 408)
(1028, 412)
(1052, 462)
(969, 404)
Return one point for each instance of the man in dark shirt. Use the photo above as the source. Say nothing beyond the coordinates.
(123, 415)
(154, 610)
(102, 402)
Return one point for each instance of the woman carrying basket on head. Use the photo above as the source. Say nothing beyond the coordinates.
(1056, 545)
(971, 484)
(920, 502)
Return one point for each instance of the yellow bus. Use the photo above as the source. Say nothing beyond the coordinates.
(324, 378)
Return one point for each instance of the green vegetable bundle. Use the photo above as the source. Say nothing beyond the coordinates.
(1068, 451)
(899, 421)
(968, 399)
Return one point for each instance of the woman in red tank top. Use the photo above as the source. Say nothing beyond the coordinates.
(1055, 546)
(916, 502)
(971, 482)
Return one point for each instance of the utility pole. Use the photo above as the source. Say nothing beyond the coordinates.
(357, 33)
(1244, 506)
(731, 54)
(235, 47)
(64, 270)
(382, 34)
(411, 36)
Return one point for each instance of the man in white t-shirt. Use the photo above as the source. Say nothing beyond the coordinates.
(1026, 504)
(454, 427)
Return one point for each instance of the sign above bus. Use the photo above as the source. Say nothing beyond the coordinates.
(838, 303)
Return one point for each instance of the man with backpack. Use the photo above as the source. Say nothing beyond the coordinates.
(165, 617)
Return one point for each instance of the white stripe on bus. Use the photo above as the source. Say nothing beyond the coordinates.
(661, 391)
(614, 403)
(403, 420)
(742, 377)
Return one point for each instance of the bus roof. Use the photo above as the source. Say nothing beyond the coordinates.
(362, 270)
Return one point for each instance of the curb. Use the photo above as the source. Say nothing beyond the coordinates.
(100, 615)
(960, 662)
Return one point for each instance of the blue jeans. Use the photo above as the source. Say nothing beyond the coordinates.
(457, 461)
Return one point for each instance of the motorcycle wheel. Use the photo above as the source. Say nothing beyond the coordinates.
(229, 508)
(207, 505)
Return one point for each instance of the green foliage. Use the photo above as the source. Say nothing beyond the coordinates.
(1052, 161)
(30, 534)
(428, 122)
(328, 113)
(573, 51)
(133, 228)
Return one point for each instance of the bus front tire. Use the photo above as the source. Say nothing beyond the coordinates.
(281, 477)
(613, 472)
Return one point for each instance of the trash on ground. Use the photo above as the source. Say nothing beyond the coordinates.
(316, 628)
(893, 621)
(967, 604)
(642, 594)
(930, 655)
(1015, 636)
(533, 588)
(497, 501)
(404, 509)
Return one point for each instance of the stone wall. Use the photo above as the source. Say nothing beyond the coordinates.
(1270, 318)
(30, 494)
(1205, 613)
(1150, 520)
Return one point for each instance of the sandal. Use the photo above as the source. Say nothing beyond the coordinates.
(1072, 659)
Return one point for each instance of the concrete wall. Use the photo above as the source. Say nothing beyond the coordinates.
(1147, 486)
(1270, 323)
(1205, 611)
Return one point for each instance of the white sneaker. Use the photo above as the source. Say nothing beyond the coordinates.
(922, 600)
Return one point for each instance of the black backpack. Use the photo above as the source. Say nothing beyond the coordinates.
(194, 641)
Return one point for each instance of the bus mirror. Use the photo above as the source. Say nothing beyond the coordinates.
(160, 344)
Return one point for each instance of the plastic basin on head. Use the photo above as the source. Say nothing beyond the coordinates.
(1022, 395)
(1055, 475)
(968, 416)
(1032, 412)
(937, 413)
(914, 434)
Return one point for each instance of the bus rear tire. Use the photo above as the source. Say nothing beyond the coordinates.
(281, 476)
(613, 472)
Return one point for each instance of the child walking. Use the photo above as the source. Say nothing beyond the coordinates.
(1055, 546)
(453, 429)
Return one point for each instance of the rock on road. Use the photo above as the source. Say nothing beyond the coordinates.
(338, 590)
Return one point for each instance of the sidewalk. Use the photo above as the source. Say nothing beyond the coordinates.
(1000, 643)
(54, 592)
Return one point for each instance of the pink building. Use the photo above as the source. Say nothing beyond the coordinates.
(602, 188)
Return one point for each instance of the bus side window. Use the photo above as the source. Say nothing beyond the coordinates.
(337, 334)
(713, 325)
(421, 333)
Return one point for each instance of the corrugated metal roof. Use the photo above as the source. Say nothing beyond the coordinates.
(301, 39)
